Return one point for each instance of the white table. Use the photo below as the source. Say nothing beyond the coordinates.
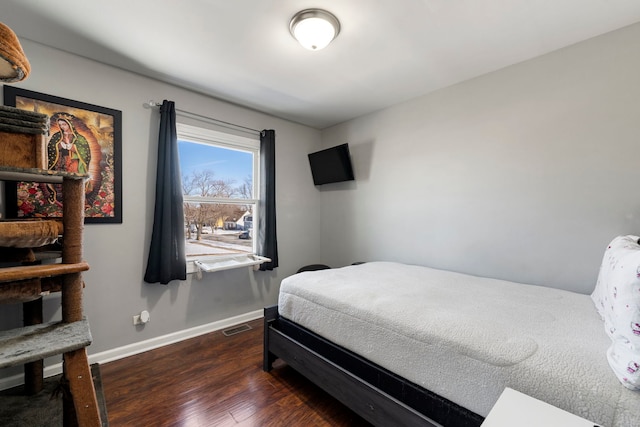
(517, 409)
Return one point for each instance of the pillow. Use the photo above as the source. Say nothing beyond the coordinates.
(617, 299)
(625, 364)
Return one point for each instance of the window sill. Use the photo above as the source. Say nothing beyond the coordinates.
(218, 263)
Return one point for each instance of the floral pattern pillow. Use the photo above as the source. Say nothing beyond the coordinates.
(617, 299)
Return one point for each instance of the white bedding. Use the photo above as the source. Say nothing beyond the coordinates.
(466, 338)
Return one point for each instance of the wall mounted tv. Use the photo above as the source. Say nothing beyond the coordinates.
(331, 165)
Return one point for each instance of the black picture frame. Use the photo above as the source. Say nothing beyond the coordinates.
(98, 134)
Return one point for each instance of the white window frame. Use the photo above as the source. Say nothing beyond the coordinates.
(200, 135)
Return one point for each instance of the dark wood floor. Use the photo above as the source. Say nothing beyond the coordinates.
(214, 380)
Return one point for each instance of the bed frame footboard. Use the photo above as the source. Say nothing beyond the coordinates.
(270, 317)
(377, 395)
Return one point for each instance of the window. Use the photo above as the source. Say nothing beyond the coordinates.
(220, 190)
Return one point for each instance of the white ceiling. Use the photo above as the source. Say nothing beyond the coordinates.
(388, 51)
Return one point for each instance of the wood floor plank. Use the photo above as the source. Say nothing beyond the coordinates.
(215, 380)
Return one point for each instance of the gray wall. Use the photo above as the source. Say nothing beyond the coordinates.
(524, 174)
(117, 253)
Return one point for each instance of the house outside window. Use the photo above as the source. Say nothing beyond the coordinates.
(220, 174)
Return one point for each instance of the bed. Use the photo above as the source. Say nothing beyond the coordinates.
(410, 345)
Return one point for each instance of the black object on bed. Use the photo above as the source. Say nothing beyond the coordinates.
(374, 393)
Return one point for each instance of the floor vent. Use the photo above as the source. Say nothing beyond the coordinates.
(236, 330)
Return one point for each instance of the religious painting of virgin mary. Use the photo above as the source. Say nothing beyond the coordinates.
(82, 138)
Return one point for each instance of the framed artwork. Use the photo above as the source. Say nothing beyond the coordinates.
(82, 138)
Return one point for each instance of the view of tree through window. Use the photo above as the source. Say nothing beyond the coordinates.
(219, 192)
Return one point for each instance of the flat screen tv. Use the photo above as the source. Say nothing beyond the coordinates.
(331, 165)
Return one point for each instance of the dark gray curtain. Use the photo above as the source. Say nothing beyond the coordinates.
(167, 259)
(267, 241)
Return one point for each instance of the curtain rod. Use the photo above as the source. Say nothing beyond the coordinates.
(154, 104)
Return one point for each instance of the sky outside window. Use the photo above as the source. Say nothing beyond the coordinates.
(227, 164)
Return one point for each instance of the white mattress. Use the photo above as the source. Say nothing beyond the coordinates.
(466, 338)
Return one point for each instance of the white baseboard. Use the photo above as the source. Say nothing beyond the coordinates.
(142, 346)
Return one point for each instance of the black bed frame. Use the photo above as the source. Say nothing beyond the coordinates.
(376, 394)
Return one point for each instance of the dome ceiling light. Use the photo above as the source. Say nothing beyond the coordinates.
(314, 28)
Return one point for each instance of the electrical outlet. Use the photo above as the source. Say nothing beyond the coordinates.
(142, 318)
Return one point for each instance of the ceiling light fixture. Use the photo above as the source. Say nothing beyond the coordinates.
(14, 65)
(314, 28)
